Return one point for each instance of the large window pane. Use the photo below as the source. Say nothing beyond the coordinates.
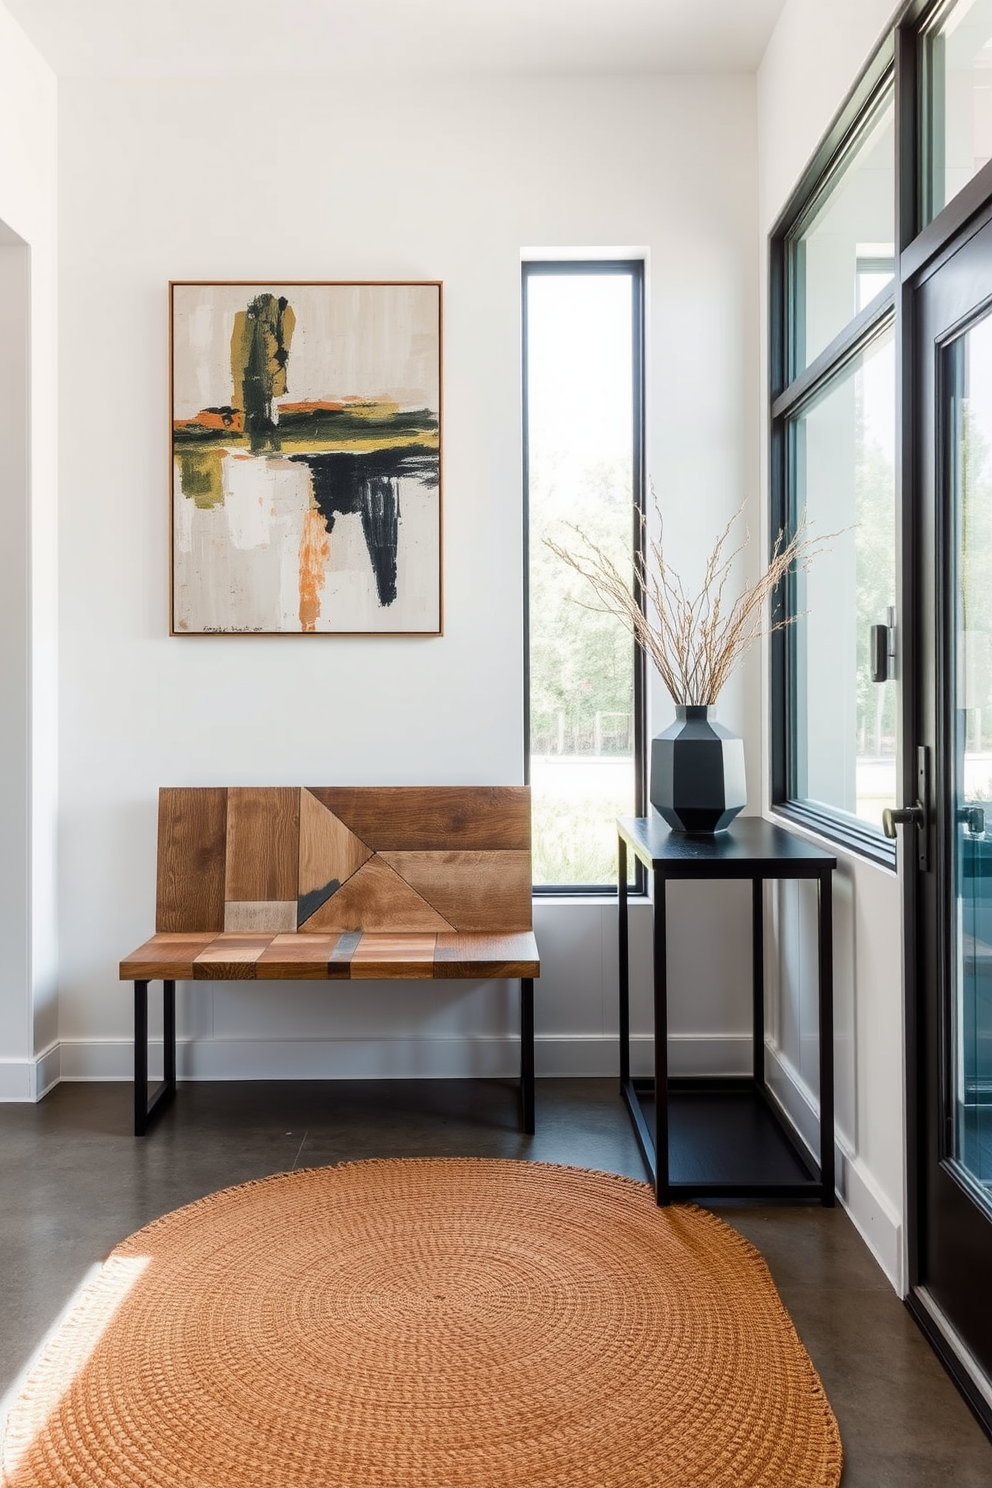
(581, 332)
(956, 68)
(842, 454)
(841, 258)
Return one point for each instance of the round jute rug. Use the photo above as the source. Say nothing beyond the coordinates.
(436, 1323)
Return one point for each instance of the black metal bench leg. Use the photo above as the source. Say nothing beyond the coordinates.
(145, 1107)
(140, 1058)
(527, 1052)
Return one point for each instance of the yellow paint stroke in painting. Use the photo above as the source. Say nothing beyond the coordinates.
(315, 549)
(290, 445)
(201, 477)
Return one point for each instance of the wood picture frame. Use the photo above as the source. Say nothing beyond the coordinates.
(306, 457)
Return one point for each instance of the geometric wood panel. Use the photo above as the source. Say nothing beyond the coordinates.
(473, 890)
(263, 843)
(329, 855)
(376, 898)
(407, 818)
(274, 915)
(330, 859)
(192, 827)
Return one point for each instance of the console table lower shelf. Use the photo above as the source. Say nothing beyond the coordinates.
(726, 1139)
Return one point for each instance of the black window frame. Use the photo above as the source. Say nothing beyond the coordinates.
(635, 268)
(793, 389)
(921, 240)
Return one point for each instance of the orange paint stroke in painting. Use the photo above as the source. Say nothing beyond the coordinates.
(319, 405)
(315, 549)
(372, 408)
(229, 419)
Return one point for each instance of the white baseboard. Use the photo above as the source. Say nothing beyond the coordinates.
(873, 1216)
(494, 1056)
(875, 1219)
(29, 1079)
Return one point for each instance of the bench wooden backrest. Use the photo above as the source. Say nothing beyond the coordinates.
(335, 858)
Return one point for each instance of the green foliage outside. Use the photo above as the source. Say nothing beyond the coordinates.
(580, 659)
(581, 676)
(575, 839)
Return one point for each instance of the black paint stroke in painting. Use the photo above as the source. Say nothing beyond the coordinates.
(366, 483)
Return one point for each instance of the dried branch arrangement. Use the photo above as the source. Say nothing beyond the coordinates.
(695, 640)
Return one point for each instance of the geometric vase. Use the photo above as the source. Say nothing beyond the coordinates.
(697, 772)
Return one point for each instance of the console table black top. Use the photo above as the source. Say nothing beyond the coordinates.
(750, 845)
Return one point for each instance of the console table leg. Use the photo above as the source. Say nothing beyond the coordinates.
(623, 964)
(826, 988)
(662, 1191)
(527, 1052)
(758, 977)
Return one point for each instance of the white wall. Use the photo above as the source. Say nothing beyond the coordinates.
(813, 59)
(314, 180)
(165, 180)
(28, 920)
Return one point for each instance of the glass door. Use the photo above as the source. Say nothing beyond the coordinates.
(949, 855)
(968, 395)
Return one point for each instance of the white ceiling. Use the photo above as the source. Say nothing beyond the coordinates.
(169, 38)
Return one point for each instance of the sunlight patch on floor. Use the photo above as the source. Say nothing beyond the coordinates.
(62, 1355)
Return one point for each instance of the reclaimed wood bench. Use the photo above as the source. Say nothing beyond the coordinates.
(338, 884)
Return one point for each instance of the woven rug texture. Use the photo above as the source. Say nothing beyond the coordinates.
(427, 1323)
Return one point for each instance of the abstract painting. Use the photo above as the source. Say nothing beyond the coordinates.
(306, 491)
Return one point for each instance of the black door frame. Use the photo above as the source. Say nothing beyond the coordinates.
(926, 588)
(919, 250)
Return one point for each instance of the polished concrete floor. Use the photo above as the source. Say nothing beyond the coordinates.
(74, 1181)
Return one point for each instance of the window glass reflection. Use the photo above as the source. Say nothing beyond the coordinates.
(843, 460)
(844, 256)
(956, 71)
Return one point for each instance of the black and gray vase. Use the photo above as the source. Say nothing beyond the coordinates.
(697, 772)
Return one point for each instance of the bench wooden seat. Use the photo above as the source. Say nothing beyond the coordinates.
(350, 956)
(337, 884)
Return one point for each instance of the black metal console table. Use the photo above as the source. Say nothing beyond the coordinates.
(725, 1136)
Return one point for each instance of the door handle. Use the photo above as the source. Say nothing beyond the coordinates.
(972, 817)
(917, 815)
(899, 816)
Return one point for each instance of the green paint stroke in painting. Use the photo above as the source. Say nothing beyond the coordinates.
(259, 352)
(200, 476)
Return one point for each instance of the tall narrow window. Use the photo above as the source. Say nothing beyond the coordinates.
(583, 469)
